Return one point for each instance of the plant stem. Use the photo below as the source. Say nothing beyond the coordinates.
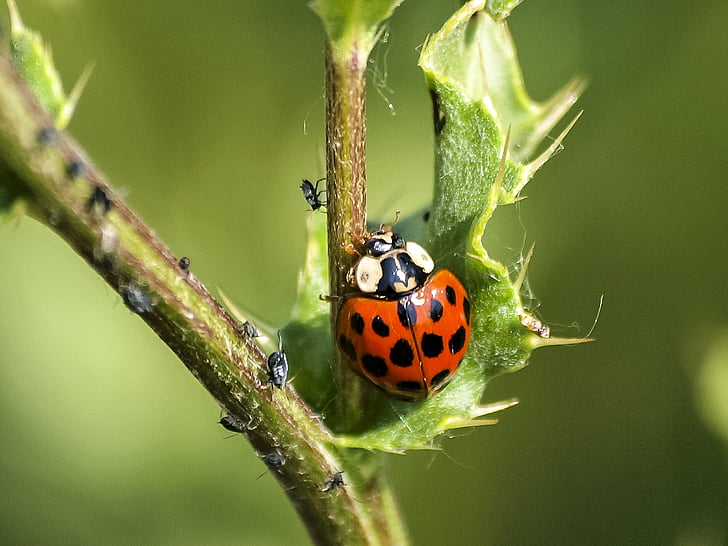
(346, 209)
(346, 195)
(81, 207)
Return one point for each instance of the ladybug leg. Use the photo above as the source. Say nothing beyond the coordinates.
(357, 242)
(351, 276)
(351, 249)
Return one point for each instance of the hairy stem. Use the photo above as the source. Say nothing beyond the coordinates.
(346, 194)
(62, 189)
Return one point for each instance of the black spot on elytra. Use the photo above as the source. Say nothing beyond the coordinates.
(457, 341)
(466, 310)
(347, 347)
(402, 354)
(406, 312)
(435, 310)
(357, 323)
(410, 386)
(380, 327)
(431, 345)
(450, 294)
(440, 377)
(374, 365)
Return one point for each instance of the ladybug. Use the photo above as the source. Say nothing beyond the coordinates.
(408, 329)
(312, 194)
(278, 366)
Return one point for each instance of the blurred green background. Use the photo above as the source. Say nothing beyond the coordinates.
(208, 114)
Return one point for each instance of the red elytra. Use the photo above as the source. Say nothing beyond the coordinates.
(409, 346)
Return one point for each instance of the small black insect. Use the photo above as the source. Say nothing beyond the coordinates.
(336, 481)
(184, 264)
(75, 169)
(426, 216)
(312, 194)
(274, 459)
(136, 299)
(47, 136)
(233, 424)
(99, 202)
(249, 329)
(278, 366)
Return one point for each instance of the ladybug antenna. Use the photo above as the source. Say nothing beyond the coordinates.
(280, 341)
(385, 227)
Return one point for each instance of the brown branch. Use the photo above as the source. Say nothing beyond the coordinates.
(346, 195)
(63, 190)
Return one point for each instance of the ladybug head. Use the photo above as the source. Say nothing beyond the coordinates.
(391, 267)
(382, 241)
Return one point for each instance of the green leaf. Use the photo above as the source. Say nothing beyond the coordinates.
(308, 334)
(34, 62)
